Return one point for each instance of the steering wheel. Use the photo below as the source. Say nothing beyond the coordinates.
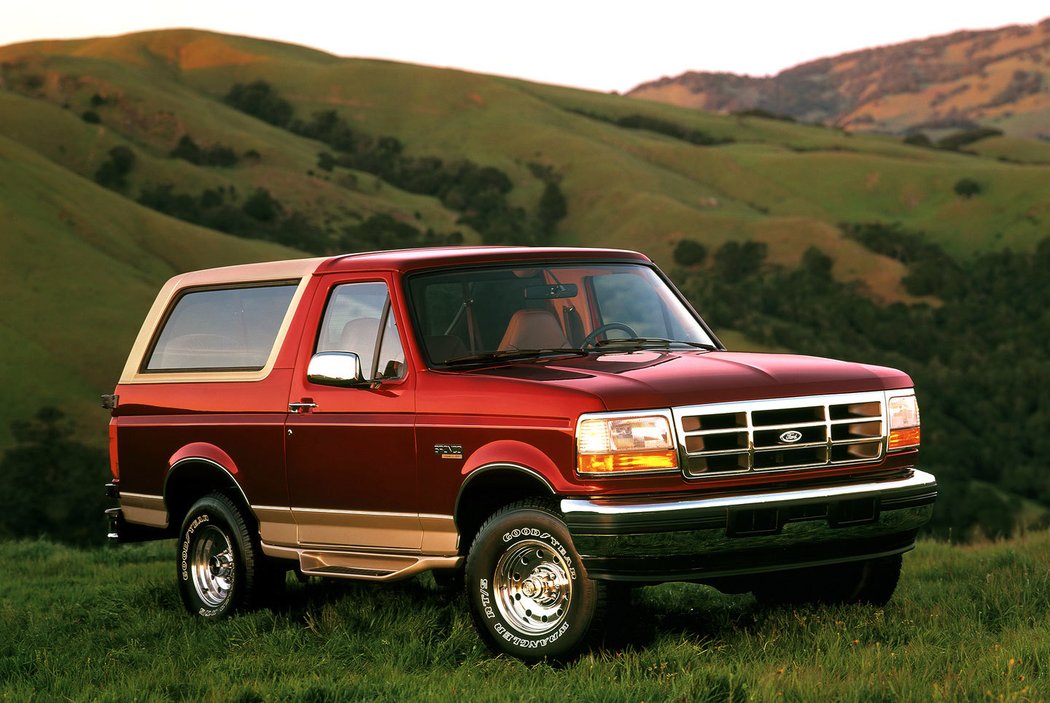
(593, 336)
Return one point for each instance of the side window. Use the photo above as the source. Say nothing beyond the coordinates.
(358, 319)
(226, 329)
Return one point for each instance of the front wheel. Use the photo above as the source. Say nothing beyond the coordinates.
(529, 594)
(221, 568)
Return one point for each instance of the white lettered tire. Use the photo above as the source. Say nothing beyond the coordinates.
(529, 594)
(221, 568)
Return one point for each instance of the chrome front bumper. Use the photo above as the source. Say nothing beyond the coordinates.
(734, 534)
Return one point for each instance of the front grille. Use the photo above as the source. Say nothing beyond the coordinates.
(776, 435)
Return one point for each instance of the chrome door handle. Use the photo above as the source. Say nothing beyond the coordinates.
(301, 407)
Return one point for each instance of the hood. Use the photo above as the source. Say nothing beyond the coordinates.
(653, 379)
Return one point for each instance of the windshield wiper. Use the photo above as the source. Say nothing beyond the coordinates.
(652, 342)
(511, 355)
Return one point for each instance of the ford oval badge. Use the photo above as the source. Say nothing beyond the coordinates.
(790, 437)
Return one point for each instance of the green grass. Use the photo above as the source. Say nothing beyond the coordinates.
(967, 623)
(1013, 149)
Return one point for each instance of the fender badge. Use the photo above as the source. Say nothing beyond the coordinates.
(790, 437)
(449, 451)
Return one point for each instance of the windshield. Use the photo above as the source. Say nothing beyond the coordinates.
(479, 314)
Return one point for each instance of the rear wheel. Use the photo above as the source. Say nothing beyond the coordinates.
(529, 594)
(221, 567)
(872, 581)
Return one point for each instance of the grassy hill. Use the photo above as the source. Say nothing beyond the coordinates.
(966, 623)
(79, 266)
(994, 77)
(81, 262)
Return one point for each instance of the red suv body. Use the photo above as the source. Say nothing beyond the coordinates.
(552, 425)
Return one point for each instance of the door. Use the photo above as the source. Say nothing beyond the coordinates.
(351, 452)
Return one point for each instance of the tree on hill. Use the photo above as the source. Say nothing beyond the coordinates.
(259, 99)
(262, 206)
(735, 260)
(967, 187)
(552, 207)
(215, 155)
(689, 252)
(113, 172)
(479, 193)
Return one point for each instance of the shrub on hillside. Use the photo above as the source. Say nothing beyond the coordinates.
(967, 187)
(113, 172)
(552, 208)
(215, 155)
(385, 232)
(764, 114)
(258, 99)
(735, 260)
(918, 139)
(262, 206)
(658, 126)
(689, 252)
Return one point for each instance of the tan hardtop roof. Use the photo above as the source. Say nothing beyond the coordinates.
(413, 259)
(290, 269)
(395, 259)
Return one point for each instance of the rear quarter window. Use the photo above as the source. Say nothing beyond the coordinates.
(230, 328)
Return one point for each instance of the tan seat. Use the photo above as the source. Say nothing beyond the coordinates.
(533, 329)
(359, 337)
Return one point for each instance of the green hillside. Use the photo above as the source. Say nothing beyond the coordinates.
(623, 186)
(79, 267)
(124, 159)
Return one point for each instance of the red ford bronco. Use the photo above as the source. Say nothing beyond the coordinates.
(550, 425)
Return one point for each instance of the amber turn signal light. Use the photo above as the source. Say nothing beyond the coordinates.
(902, 439)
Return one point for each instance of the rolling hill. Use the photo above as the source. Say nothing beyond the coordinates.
(999, 78)
(82, 258)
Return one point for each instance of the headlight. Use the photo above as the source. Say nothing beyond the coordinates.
(904, 422)
(621, 444)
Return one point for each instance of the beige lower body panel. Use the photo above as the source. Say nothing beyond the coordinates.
(276, 524)
(359, 545)
(351, 528)
(143, 509)
(367, 566)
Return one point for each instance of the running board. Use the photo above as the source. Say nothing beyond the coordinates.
(365, 566)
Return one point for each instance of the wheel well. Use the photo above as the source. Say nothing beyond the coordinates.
(487, 492)
(191, 480)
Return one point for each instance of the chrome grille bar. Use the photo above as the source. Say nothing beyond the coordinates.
(784, 434)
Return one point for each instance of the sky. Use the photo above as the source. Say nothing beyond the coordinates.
(602, 45)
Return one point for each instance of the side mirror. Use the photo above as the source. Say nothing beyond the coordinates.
(341, 369)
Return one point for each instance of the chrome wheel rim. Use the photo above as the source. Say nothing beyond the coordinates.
(212, 566)
(533, 589)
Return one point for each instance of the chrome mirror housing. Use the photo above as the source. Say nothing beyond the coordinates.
(341, 369)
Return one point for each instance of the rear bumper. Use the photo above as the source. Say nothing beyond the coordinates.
(738, 534)
(120, 531)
